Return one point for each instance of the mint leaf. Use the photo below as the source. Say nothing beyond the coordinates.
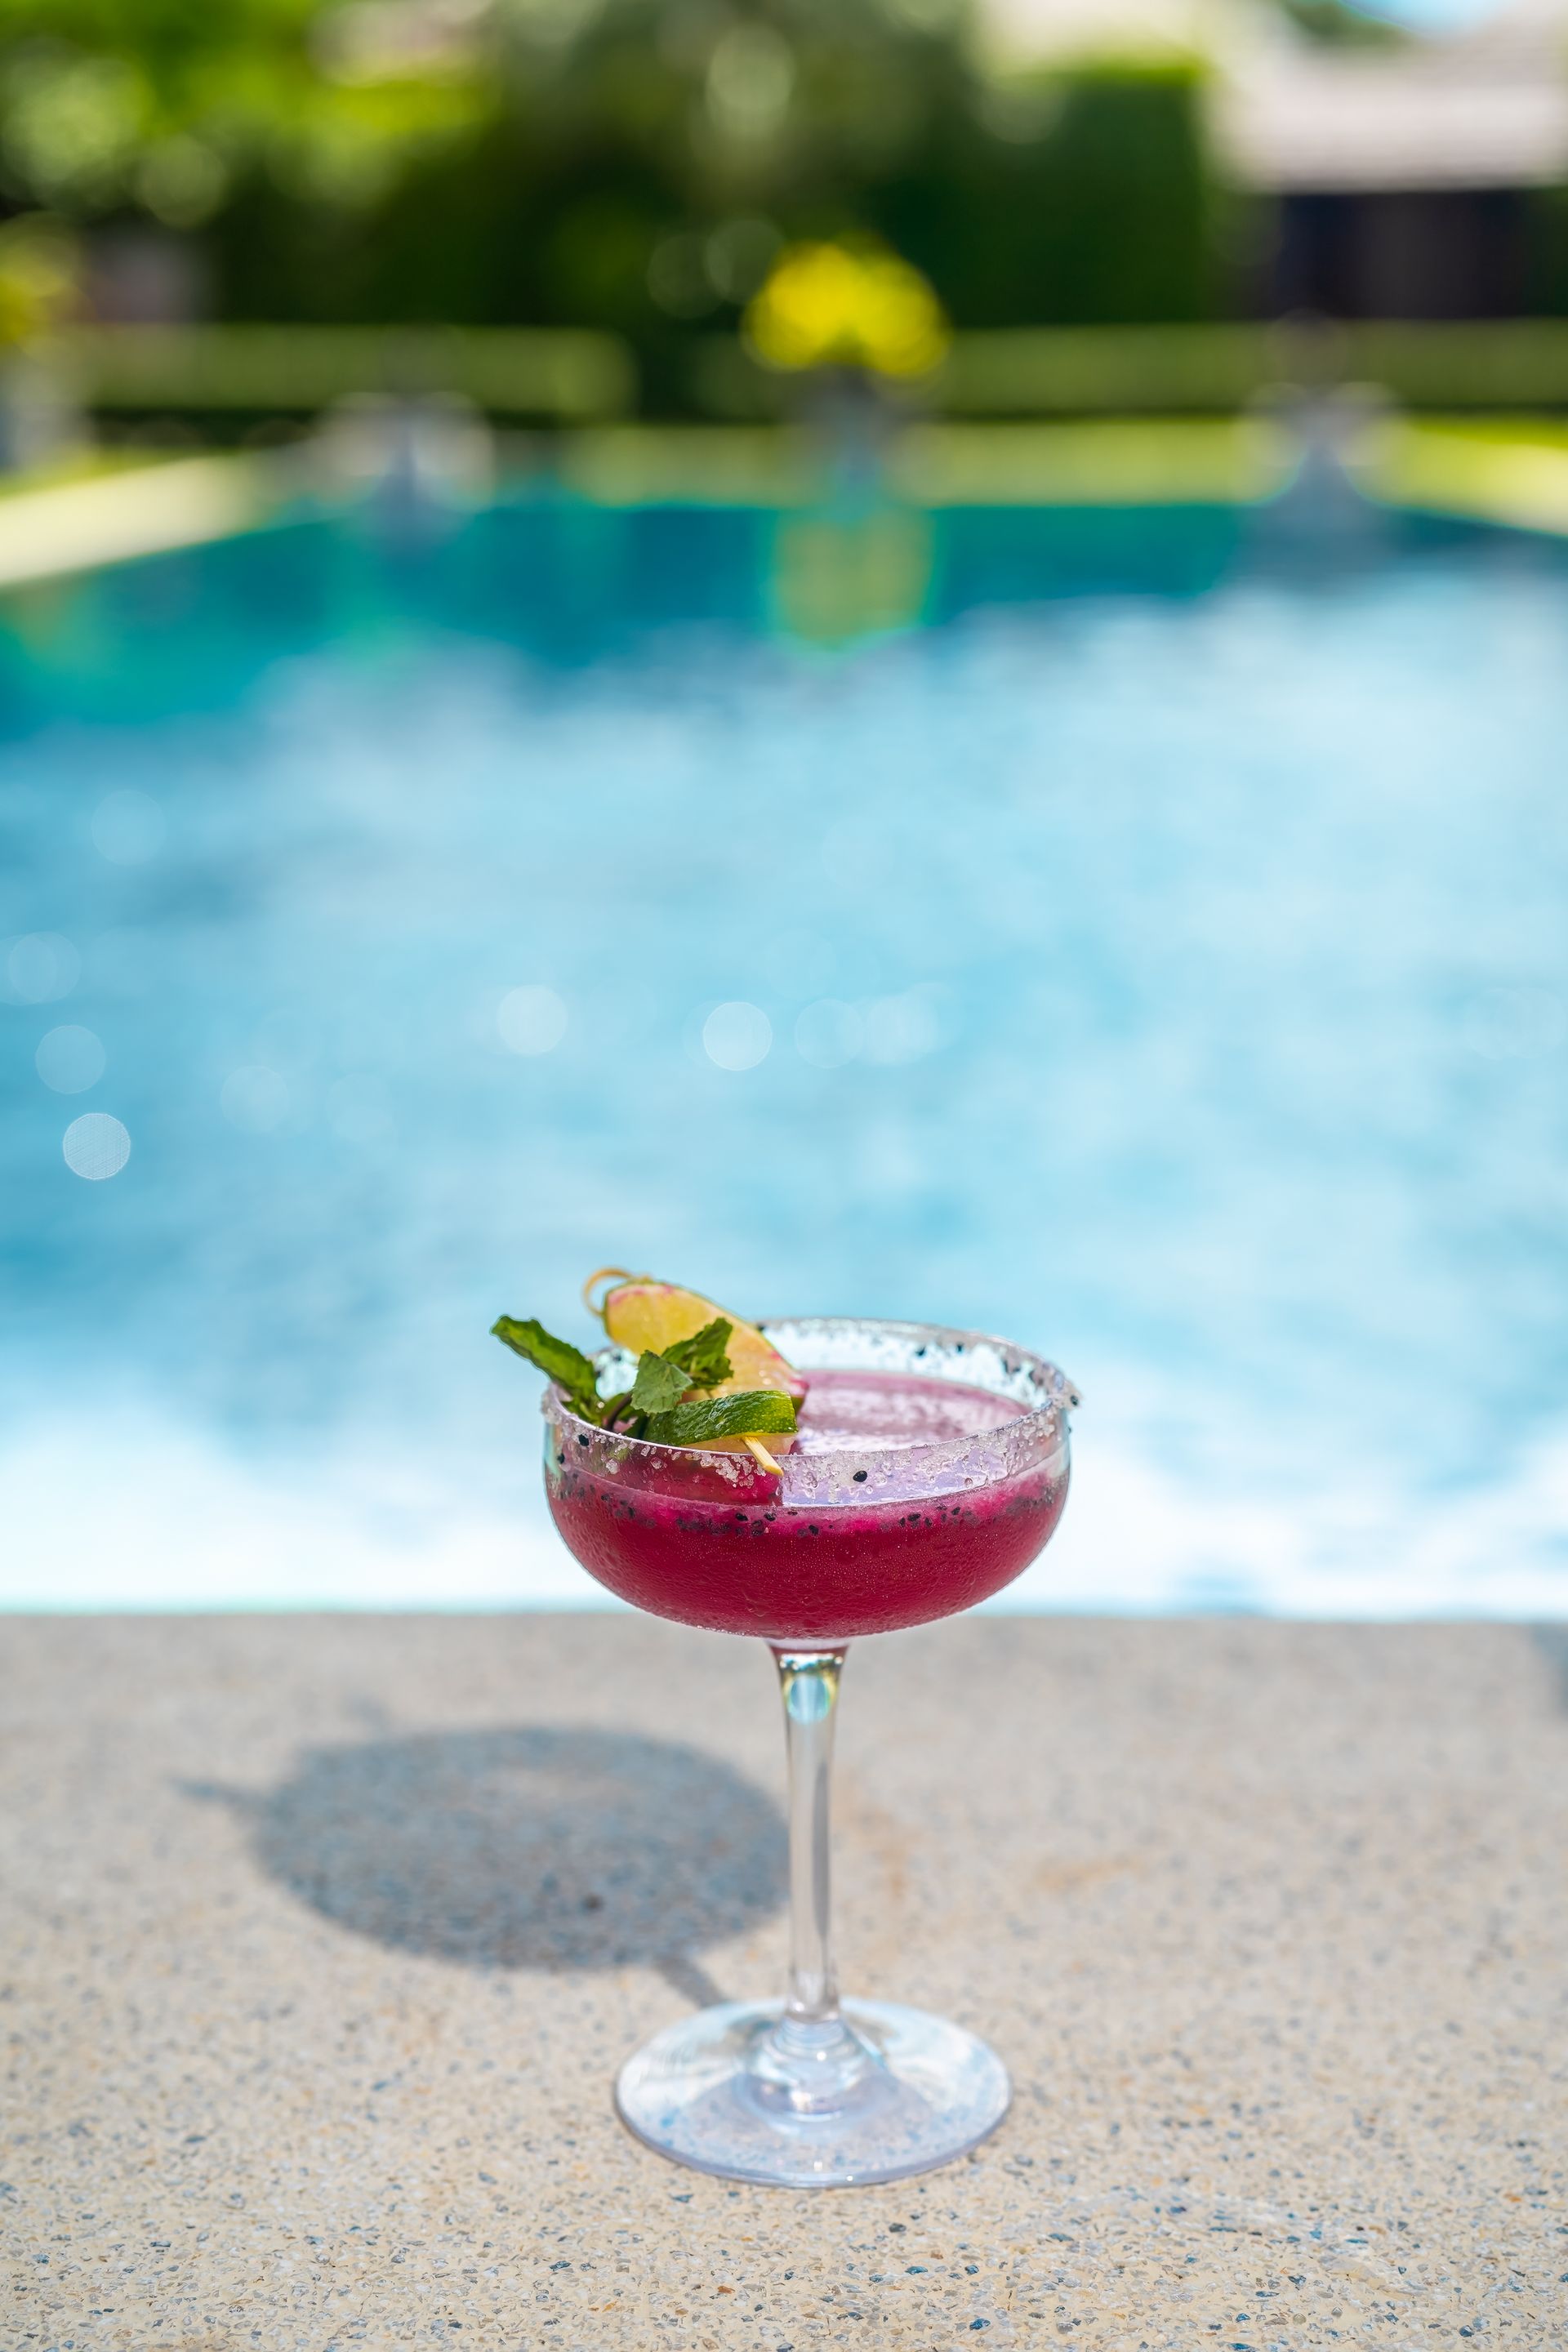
(703, 1355)
(659, 1383)
(567, 1366)
(663, 1379)
(756, 1412)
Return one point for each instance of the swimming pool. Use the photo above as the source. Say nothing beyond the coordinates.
(1139, 932)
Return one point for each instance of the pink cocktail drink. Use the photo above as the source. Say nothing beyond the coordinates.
(926, 1468)
(908, 1535)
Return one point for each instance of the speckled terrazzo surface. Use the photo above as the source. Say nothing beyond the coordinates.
(323, 1937)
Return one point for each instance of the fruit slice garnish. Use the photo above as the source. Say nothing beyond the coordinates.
(639, 1314)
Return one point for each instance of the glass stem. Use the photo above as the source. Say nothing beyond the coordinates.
(808, 1680)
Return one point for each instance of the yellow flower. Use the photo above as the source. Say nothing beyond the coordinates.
(849, 306)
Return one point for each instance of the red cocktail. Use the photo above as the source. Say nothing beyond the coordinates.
(715, 1540)
(927, 1467)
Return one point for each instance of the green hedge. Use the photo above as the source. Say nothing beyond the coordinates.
(1483, 364)
(581, 167)
(1099, 210)
(574, 375)
(552, 373)
(1488, 367)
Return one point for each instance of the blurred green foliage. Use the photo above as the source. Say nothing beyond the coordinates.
(1336, 25)
(632, 164)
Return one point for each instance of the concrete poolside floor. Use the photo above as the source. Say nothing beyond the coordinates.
(323, 1937)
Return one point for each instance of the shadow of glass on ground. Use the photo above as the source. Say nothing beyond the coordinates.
(529, 1848)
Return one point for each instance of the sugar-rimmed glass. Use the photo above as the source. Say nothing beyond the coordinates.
(891, 1508)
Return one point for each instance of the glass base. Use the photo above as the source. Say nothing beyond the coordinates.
(750, 2093)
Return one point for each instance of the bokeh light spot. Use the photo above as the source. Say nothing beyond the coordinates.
(70, 1060)
(828, 1034)
(737, 1035)
(95, 1146)
(128, 828)
(904, 1028)
(532, 1021)
(255, 1098)
(40, 967)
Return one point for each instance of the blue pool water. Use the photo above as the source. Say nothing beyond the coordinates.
(1140, 933)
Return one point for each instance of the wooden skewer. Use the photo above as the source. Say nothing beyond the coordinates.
(615, 1274)
(761, 1452)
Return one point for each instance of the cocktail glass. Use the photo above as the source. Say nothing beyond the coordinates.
(929, 1468)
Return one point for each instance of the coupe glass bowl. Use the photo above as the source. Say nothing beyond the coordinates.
(931, 1467)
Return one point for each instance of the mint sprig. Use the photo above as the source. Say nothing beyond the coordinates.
(705, 1355)
(572, 1372)
(664, 1378)
(659, 1405)
(659, 1384)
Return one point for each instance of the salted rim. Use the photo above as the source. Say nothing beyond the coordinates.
(1016, 1441)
